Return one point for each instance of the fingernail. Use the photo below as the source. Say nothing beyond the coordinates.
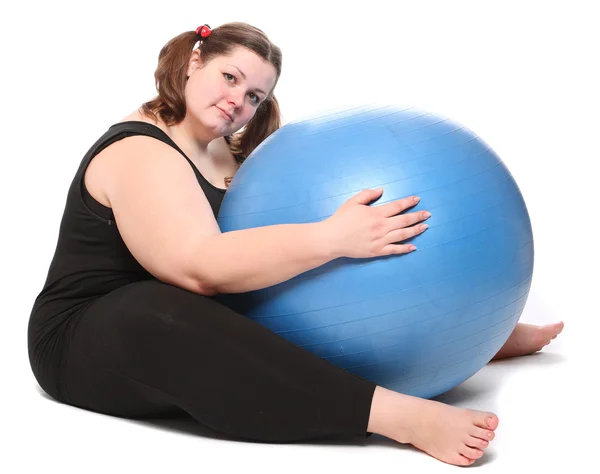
(427, 215)
(412, 247)
(422, 227)
(417, 199)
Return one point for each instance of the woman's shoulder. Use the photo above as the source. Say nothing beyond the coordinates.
(131, 143)
(107, 162)
(138, 116)
(222, 161)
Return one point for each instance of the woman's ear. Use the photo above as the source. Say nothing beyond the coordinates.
(194, 63)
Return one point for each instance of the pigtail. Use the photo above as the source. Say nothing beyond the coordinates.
(266, 120)
(170, 78)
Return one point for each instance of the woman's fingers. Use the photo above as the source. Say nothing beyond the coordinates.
(399, 235)
(396, 249)
(406, 220)
(396, 207)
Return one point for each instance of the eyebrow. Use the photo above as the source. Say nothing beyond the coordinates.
(244, 76)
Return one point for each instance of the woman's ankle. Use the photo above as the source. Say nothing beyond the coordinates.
(391, 413)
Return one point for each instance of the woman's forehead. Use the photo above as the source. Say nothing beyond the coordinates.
(242, 55)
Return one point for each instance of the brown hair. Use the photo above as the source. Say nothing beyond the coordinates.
(171, 76)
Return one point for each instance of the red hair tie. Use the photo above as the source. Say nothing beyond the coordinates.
(203, 31)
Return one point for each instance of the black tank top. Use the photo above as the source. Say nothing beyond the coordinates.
(91, 259)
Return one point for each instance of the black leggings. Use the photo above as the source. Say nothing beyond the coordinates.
(150, 349)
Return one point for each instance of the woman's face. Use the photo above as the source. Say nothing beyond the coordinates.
(225, 93)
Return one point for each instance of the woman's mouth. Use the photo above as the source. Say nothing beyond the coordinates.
(225, 114)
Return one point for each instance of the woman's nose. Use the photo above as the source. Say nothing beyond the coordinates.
(236, 98)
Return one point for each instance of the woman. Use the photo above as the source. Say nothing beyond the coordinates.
(126, 323)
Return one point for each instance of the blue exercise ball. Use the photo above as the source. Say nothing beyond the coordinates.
(419, 323)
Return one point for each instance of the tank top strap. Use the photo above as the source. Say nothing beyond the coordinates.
(123, 130)
(148, 129)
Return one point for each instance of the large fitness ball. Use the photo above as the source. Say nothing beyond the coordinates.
(419, 323)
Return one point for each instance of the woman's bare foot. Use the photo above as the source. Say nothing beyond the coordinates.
(528, 338)
(452, 435)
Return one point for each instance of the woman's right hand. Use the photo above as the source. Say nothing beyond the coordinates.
(357, 230)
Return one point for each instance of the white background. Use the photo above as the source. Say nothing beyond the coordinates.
(522, 75)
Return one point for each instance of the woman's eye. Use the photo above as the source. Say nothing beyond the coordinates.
(232, 79)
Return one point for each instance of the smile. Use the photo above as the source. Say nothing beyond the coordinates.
(225, 114)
